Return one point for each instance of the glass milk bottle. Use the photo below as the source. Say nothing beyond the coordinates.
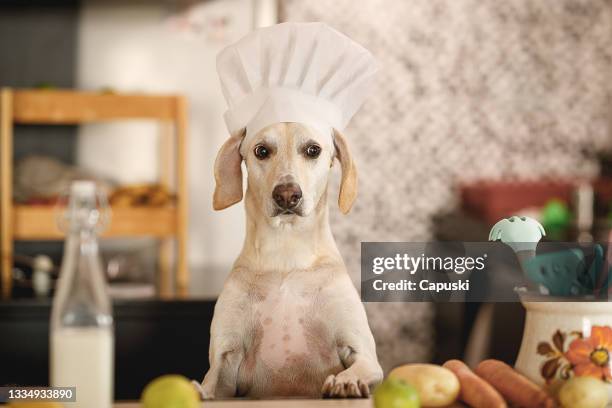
(81, 319)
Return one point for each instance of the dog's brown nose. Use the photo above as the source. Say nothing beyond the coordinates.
(287, 196)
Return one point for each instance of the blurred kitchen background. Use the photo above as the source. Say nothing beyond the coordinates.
(482, 109)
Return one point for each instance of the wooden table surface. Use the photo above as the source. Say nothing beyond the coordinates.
(280, 403)
(284, 403)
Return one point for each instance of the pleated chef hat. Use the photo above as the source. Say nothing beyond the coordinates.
(294, 72)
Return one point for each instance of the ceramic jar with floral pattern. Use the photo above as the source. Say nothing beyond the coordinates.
(566, 339)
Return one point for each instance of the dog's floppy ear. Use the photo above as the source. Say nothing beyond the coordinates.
(228, 173)
(348, 185)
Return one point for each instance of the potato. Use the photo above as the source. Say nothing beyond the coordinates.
(437, 386)
(584, 392)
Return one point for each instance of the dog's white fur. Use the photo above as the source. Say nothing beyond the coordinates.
(288, 321)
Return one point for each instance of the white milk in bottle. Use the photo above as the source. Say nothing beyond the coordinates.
(82, 339)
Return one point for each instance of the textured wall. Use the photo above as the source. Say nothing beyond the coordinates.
(468, 89)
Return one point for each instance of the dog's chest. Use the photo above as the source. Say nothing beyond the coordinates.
(292, 349)
(288, 328)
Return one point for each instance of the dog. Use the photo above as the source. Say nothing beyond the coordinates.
(288, 322)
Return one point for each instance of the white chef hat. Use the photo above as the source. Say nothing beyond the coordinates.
(294, 72)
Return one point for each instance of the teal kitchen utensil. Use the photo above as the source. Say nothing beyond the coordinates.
(596, 269)
(558, 272)
(522, 234)
(566, 273)
(519, 232)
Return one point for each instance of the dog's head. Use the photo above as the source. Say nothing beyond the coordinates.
(288, 166)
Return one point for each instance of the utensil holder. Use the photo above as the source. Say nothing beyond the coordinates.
(564, 339)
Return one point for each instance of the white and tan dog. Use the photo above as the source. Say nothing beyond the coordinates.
(289, 321)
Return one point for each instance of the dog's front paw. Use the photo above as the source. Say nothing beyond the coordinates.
(205, 394)
(345, 386)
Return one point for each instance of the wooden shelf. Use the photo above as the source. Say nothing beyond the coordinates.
(39, 222)
(73, 107)
(59, 107)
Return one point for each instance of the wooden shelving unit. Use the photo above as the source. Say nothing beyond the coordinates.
(36, 222)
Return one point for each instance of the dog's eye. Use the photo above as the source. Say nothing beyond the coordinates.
(313, 151)
(261, 152)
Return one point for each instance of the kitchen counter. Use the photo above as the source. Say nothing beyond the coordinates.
(295, 403)
(285, 403)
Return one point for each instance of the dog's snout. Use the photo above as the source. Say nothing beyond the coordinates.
(287, 196)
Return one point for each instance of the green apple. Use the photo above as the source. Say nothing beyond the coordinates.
(395, 393)
(170, 391)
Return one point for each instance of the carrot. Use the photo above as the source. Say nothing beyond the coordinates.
(514, 387)
(475, 391)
